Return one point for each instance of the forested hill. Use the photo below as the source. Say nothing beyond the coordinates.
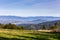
(40, 25)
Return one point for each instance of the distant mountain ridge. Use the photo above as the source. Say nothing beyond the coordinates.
(26, 20)
(40, 25)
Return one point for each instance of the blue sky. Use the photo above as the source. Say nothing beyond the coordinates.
(26, 8)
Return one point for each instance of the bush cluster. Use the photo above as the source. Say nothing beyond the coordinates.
(10, 26)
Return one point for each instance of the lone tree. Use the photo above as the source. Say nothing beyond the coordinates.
(56, 26)
(44, 27)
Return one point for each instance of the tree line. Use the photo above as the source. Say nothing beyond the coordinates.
(32, 27)
(53, 27)
(10, 26)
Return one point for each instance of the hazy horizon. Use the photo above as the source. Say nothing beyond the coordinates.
(30, 8)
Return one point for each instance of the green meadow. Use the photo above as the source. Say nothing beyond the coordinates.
(11, 34)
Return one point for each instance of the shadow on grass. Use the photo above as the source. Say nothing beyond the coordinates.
(35, 38)
(57, 34)
(38, 36)
(29, 37)
(54, 35)
(2, 38)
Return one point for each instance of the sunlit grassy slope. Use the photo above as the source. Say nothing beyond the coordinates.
(8, 34)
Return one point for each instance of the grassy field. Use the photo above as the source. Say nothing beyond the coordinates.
(8, 34)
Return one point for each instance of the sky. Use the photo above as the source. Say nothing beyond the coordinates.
(27, 8)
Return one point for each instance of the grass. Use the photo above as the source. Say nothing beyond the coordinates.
(8, 34)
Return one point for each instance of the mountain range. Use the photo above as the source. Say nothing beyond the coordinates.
(26, 20)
